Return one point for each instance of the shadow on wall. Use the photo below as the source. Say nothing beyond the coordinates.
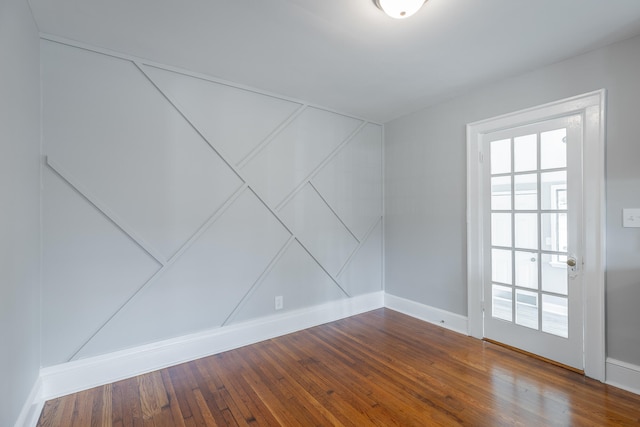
(623, 315)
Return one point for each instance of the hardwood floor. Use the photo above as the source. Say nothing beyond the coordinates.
(380, 368)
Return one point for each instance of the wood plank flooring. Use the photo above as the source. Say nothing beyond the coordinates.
(379, 368)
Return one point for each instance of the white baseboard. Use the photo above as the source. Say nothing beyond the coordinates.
(446, 319)
(67, 378)
(91, 372)
(71, 377)
(623, 375)
(32, 407)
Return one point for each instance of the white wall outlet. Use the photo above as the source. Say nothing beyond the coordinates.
(631, 217)
(279, 302)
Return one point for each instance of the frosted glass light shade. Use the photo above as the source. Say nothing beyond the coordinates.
(400, 9)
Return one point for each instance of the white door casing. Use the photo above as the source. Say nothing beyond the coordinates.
(590, 107)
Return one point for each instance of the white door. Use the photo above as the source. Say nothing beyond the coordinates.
(532, 251)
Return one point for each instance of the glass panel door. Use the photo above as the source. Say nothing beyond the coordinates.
(532, 296)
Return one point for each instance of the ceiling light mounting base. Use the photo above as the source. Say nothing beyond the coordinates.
(399, 9)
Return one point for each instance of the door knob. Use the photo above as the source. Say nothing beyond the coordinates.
(571, 262)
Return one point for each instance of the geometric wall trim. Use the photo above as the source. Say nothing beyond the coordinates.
(201, 289)
(126, 144)
(328, 240)
(351, 181)
(234, 121)
(295, 152)
(91, 268)
(175, 204)
(363, 274)
(294, 268)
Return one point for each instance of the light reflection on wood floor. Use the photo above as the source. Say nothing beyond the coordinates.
(379, 368)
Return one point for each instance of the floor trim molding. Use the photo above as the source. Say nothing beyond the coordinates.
(91, 372)
(32, 407)
(437, 316)
(71, 377)
(623, 375)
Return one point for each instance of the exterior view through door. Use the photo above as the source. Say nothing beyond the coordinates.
(532, 285)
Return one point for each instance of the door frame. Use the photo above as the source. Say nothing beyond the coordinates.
(591, 106)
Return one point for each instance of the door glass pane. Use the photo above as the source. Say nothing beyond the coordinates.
(501, 193)
(527, 269)
(529, 242)
(527, 308)
(554, 274)
(526, 227)
(526, 191)
(553, 149)
(554, 232)
(501, 269)
(501, 302)
(555, 315)
(501, 229)
(525, 153)
(500, 156)
(554, 190)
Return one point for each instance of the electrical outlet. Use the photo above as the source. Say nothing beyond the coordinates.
(631, 217)
(279, 302)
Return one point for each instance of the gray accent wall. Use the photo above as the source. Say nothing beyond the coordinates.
(174, 204)
(425, 185)
(19, 208)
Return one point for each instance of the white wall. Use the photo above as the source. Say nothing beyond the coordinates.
(174, 204)
(20, 207)
(425, 182)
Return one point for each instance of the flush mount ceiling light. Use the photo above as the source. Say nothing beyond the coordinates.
(400, 9)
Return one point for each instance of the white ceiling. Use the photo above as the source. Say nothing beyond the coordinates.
(346, 54)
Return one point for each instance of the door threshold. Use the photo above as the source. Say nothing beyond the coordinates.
(535, 356)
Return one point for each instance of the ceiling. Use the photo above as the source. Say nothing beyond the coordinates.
(346, 55)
